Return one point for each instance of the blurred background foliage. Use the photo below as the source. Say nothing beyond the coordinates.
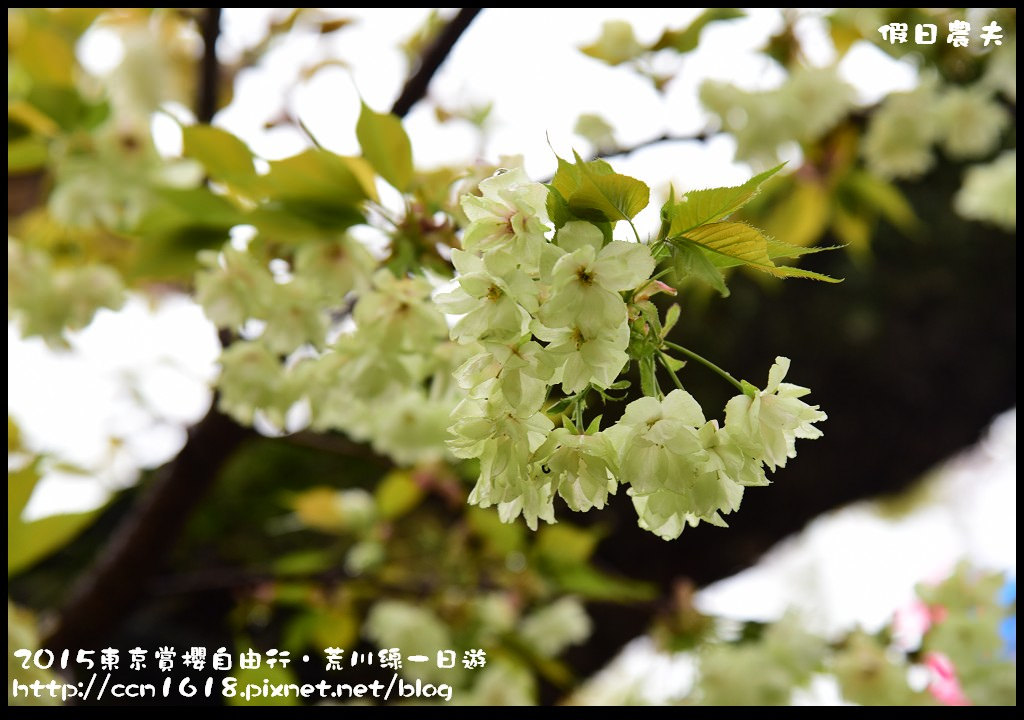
(315, 539)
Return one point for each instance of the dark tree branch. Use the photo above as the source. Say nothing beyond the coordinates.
(112, 586)
(416, 86)
(209, 68)
(664, 137)
(110, 589)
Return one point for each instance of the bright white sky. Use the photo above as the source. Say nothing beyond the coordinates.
(120, 400)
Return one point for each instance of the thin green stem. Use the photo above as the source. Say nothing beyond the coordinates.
(635, 233)
(675, 378)
(706, 363)
(579, 413)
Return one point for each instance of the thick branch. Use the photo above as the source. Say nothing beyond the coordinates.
(120, 575)
(416, 86)
(209, 68)
(108, 590)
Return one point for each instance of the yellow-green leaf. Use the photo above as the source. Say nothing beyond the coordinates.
(225, 157)
(46, 55)
(617, 43)
(565, 544)
(22, 634)
(319, 174)
(734, 240)
(29, 542)
(785, 271)
(684, 40)
(885, 198)
(740, 243)
(397, 494)
(689, 260)
(698, 207)
(602, 194)
(386, 145)
(800, 215)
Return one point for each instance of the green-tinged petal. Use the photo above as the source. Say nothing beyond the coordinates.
(622, 266)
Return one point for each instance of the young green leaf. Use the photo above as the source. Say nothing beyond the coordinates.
(648, 383)
(386, 146)
(699, 207)
(557, 207)
(735, 240)
(322, 174)
(785, 271)
(609, 195)
(28, 542)
(650, 315)
(671, 318)
(744, 244)
(690, 260)
(685, 39)
(777, 249)
(617, 44)
(593, 191)
(225, 157)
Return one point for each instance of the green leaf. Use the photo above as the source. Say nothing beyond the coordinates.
(26, 154)
(225, 157)
(499, 537)
(884, 197)
(174, 209)
(20, 484)
(67, 107)
(686, 39)
(386, 145)
(596, 130)
(178, 224)
(567, 176)
(35, 540)
(569, 425)
(699, 207)
(776, 250)
(744, 244)
(23, 118)
(318, 175)
(29, 542)
(557, 207)
(798, 212)
(318, 187)
(564, 544)
(617, 43)
(608, 195)
(671, 318)
(734, 240)
(23, 633)
(853, 229)
(592, 584)
(45, 54)
(785, 271)
(690, 260)
(648, 383)
(673, 364)
(397, 494)
(650, 315)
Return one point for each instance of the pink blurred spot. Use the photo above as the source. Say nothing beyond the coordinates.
(910, 624)
(944, 685)
(939, 613)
